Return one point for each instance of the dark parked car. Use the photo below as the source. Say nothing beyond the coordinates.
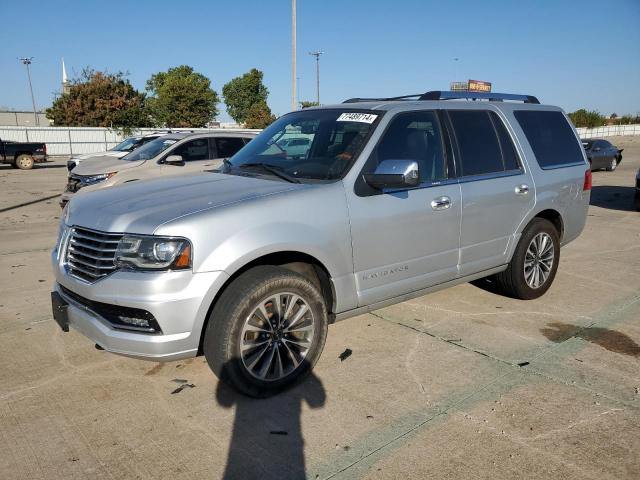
(602, 154)
(22, 155)
(638, 190)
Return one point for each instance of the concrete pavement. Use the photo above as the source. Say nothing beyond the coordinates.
(463, 383)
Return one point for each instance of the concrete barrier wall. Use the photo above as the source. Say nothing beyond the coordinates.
(609, 131)
(78, 140)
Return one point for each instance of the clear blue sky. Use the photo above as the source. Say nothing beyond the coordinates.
(569, 53)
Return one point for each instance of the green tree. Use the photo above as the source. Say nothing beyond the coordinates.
(306, 104)
(181, 97)
(100, 99)
(587, 118)
(259, 116)
(243, 92)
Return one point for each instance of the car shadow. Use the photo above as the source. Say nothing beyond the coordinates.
(613, 197)
(37, 166)
(266, 441)
(488, 284)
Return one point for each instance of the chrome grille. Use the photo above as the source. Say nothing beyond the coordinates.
(91, 254)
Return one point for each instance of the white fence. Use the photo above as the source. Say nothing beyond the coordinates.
(78, 140)
(609, 131)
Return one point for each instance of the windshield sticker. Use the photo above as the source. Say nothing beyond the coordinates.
(169, 142)
(357, 117)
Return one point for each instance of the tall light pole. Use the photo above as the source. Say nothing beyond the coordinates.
(293, 56)
(27, 61)
(317, 55)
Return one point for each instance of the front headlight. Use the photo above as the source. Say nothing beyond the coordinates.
(93, 179)
(140, 252)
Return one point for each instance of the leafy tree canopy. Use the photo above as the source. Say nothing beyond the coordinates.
(100, 99)
(181, 97)
(586, 118)
(259, 116)
(306, 104)
(241, 93)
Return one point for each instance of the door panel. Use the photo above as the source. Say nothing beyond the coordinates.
(496, 191)
(406, 240)
(401, 244)
(491, 213)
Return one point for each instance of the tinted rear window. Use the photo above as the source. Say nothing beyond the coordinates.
(551, 138)
(485, 146)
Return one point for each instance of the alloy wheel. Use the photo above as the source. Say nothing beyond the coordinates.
(538, 260)
(276, 336)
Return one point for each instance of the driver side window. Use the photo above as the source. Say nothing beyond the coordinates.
(193, 150)
(415, 136)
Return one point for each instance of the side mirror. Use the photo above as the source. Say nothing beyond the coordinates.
(394, 174)
(174, 160)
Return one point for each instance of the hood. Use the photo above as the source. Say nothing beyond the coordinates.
(141, 207)
(108, 153)
(104, 164)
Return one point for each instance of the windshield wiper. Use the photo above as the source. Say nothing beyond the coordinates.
(272, 169)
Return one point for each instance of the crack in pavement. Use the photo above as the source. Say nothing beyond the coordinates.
(449, 341)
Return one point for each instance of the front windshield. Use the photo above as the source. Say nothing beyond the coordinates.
(150, 149)
(128, 145)
(311, 144)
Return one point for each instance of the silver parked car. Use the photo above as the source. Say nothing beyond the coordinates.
(119, 151)
(167, 155)
(392, 199)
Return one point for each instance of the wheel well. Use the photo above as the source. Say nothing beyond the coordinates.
(554, 217)
(17, 154)
(306, 265)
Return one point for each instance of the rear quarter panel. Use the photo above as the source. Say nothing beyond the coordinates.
(560, 188)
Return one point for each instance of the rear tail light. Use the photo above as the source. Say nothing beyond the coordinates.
(587, 181)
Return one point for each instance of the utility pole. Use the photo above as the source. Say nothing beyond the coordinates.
(317, 55)
(27, 61)
(293, 56)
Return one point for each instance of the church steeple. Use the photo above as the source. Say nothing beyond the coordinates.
(66, 86)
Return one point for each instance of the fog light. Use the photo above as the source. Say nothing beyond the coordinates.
(137, 322)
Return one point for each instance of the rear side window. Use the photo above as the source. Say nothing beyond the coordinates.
(228, 146)
(484, 143)
(551, 138)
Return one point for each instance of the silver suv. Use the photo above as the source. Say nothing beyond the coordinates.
(392, 199)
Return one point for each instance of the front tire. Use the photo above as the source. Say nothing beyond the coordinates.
(612, 166)
(266, 331)
(24, 162)
(534, 264)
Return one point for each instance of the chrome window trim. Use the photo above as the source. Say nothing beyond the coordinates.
(489, 176)
(564, 165)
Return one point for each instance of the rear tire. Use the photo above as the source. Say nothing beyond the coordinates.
(612, 166)
(266, 331)
(533, 267)
(24, 162)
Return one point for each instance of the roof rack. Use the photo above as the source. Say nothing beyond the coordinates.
(443, 95)
(492, 97)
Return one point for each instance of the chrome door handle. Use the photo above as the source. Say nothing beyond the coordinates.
(522, 189)
(441, 203)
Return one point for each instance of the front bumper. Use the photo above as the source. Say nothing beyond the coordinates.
(179, 302)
